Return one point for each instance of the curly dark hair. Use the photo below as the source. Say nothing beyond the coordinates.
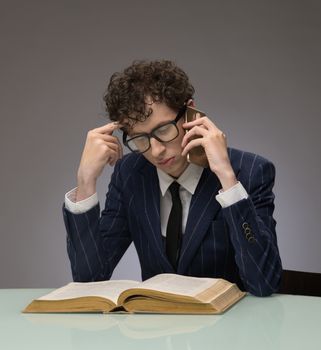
(160, 80)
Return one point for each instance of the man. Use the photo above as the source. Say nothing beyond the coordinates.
(208, 222)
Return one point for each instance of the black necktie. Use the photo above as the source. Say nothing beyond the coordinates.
(174, 226)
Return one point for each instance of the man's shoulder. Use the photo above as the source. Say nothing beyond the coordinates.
(251, 168)
(243, 159)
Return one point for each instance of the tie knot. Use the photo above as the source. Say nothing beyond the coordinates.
(174, 189)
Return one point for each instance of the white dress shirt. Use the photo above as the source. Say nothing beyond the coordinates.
(188, 182)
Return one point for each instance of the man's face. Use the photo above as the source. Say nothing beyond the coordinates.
(165, 156)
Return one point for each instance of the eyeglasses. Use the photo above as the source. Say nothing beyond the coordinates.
(163, 133)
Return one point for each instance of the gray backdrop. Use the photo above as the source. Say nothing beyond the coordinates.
(256, 69)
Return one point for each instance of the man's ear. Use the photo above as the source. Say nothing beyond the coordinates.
(190, 102)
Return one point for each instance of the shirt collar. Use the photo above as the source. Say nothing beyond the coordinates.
(189, 179)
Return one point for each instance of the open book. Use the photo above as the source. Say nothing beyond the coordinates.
(164, 293)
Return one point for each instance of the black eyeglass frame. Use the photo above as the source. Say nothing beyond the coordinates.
(179, 115)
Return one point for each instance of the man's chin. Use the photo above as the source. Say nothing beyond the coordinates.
(177, 169)
(175, 165)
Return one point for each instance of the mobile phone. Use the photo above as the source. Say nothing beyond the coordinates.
(197, 154)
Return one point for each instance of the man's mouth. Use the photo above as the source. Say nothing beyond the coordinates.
(166, 161)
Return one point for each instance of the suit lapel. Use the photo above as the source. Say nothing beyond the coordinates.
(203, 209)
(149, 208)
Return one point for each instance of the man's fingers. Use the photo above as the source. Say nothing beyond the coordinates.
(113, 146)
(107, 138)
(108, 128)
(191, 145)
(196, 131)
(115, 152)
(120, 149)
(113, 140)
(112, 156)
(200, 121)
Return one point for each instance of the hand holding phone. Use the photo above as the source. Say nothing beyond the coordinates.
(196, 155)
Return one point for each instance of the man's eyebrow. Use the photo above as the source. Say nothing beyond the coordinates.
(137, 133)
(155, 127)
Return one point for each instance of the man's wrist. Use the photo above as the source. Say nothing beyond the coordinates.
(232, 195)
(85, 189)
(227, 179)
(78, 207)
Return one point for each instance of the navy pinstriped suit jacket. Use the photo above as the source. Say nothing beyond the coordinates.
(237, 243)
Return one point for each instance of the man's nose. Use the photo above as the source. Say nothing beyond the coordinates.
(157, 147)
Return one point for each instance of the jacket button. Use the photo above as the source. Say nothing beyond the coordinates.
(245, 225)
(248, 236)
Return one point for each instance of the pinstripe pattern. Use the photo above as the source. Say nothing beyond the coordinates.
(214, 251)
(93, 240)
(150, 223)
(214, 243)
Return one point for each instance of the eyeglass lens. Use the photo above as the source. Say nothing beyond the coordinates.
(164, 133)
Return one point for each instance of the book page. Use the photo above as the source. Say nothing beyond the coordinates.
(177, 284)
(106, 289)
(229, 297)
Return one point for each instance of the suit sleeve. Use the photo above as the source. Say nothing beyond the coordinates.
(96, 242)
(252, 232)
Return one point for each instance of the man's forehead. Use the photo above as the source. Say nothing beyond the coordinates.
(130, 125)
(138, 127)
(135, 121)
(130, 122)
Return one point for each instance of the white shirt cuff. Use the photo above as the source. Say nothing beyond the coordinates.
(232, 195)
(81, 206)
